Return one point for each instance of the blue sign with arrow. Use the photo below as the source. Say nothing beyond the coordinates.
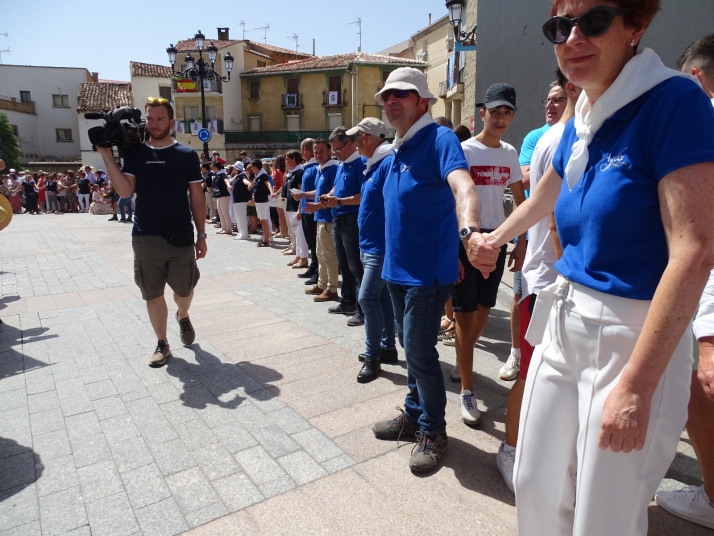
(204, 135)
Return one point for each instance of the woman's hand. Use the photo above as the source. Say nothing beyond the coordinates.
(625, 418)
(705, 373)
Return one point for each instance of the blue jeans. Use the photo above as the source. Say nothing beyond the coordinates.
(376, 306)
(417, 311)
(345, 234)
(125, 202)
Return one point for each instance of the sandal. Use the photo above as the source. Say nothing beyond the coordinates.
(445, 323)
(448, 333)
(263, 244)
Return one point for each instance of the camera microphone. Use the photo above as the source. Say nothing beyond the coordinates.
(94, 115)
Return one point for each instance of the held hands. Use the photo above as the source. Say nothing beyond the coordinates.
(705, 373)
(481, 253)
(625, 418)
(328, 201)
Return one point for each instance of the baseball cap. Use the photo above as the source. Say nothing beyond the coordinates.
(407, 78)
(371, 126)
(500, 95)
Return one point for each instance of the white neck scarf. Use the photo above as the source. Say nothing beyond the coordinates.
(640, 74)
(424, 121)
(380, 153)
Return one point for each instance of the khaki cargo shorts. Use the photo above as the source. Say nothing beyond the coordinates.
(156, 263)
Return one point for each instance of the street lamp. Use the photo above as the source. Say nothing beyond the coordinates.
(199, 70)
(457, 16)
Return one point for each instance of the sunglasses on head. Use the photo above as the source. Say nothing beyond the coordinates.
(398, 93)
(593, 23)
(156, 100)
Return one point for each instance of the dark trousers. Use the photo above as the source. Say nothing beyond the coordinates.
(345, 234)
(309, 227)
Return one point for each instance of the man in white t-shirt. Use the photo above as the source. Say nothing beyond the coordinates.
(89, 174)
(537, 273)
(494, 166)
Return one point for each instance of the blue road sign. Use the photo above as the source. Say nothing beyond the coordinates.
(204, 135)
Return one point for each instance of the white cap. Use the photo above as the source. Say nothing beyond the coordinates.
(12, 170)
(407, 78)
(239, 166)
(371, 126)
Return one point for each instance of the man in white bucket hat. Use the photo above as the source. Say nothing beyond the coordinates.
(430, 203)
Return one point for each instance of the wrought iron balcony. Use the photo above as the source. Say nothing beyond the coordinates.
(292, 101)
(334, 99)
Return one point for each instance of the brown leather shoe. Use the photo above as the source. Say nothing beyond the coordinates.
(316, 290)
(327, 296)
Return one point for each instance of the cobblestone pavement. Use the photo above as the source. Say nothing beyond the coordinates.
(257, 428)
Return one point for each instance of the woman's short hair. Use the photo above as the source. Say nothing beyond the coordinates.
(295, 156)
(639, 12)
(280, 163)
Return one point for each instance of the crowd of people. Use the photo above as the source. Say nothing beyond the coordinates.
(613, 194)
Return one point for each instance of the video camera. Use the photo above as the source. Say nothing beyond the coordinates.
(123, 128)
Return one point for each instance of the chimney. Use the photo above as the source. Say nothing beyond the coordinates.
(95, 77)
(223, 34)
(429, 19)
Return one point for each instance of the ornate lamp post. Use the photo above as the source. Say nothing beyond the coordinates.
(457, 16)
(200, 70)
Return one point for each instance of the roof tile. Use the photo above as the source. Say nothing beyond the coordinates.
(98, 97)
(339, 61)
(150, 70)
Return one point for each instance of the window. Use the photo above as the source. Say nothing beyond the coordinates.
(334, 94)
(165, 92)
(60, 101)
(292, 85)
(14, 130)
(255, 90)
(255, 124)
(64, 134)
(211, 112)
(25, 97)
(191, 112)
(293, 122)
(334, 121)
(261, 64)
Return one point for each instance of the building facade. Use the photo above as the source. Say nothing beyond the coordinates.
(149, 80)
(41, 103)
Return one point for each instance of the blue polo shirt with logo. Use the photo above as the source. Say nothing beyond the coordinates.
(422, 235)
(371, 208)
(348, 182)
(324, 181)
(610, 224)
(308, 183)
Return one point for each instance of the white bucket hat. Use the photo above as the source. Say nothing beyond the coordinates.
(407, 78)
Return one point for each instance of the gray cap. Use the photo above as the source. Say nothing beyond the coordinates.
(371, 126)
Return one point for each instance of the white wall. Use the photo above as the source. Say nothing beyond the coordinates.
(42, 83)
(143, 87)
(232, 105)
(89, 157)
(27, 130)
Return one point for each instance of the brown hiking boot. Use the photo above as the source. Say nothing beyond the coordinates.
(315, 290)
(328, 295)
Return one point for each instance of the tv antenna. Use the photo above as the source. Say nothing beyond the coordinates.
(358, 22)
(4, 51)
(265, 30)
(242, 24)
(294, 37)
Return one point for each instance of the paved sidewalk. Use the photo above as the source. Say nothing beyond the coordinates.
(257, 428)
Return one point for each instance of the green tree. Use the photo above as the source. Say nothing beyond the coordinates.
(9, 144)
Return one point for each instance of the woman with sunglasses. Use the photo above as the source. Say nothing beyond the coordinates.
(632, 186)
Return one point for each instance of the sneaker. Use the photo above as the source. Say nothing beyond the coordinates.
(509, 371)
(455, 375)
(343, 309)
(428, 451)
(504, 462)
(160, 355)
(356, 320)
(401, 427)
(469, 412)
(188, 335)
(690, 503)
(449, 339)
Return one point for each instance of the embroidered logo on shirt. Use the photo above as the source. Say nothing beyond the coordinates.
(155, 162)
(490, 175)
(618, 161)
(405, 168)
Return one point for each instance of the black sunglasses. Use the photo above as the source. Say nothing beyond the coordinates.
(593, 23)
(398, 93)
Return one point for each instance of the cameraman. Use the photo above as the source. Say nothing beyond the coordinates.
(160, 171)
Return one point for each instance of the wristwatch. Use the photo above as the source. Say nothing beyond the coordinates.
(339, 202)
(465, 232)
(201, 235)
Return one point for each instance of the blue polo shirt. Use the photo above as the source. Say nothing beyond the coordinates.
(421, 232)
(371, 208)
(348, 182)
(610, 224)
(529, 143)
(324, 181)
(308, 182)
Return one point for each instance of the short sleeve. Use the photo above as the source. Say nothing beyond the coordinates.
(686, 133)
(129, 166)
(449, 152)
(516, 171)
(527, 150)
(562, 153)
(194, 168)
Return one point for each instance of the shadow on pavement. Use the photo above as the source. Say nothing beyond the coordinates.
(19, 466)
(12, 359)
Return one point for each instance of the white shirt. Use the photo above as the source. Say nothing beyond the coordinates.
(492, 170)
(91, 176)
(538, 271)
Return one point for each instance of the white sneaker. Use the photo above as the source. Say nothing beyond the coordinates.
(455, 375)
(690, 503)
(241, 237)
(504, 462)
(509, 371)
(469, 412)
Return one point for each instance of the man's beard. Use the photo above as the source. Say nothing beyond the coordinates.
(160, 135)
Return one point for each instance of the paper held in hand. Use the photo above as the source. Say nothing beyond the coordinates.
(295, 191)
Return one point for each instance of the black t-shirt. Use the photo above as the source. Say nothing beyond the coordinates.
(84, 186)
(295, 181)
(101, 181)
(261, 188)
(208, 180)
(162, 178)
(29, 186)
(241, 194)
(220, 189)
(51, 185)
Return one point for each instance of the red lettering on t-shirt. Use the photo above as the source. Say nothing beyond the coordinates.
(490, 175)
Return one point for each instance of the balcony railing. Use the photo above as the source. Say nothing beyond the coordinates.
(13, 105)
(274, 136)
(187, 86)
(292, 101)
(334, 99)
(186, 124)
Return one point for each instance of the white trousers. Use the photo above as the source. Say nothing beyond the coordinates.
(83, 202)
(588, 339)
(301, 249)
(231, 212)
(241, 213)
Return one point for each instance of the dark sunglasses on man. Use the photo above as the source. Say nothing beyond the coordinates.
(593, 23)
(398, 93)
